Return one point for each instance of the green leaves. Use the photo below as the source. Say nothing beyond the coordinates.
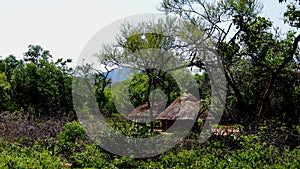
(292, 14)
(72, 132)
(13, 156)
(4, 88)
(36, 83)
(144, 41)
(255, 56)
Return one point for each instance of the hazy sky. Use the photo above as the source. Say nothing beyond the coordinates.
(65, 26)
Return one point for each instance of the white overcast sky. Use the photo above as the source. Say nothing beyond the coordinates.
(64, 26)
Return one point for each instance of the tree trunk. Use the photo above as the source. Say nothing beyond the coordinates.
(148, 101)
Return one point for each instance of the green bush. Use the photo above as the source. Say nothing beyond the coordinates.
(90, 157)
(70, 140)
(72, 132)
(14, 156)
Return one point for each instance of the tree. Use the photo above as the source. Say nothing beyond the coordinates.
(8, 66)
(149, 48)
(4, 88)
(102, 83)
(254, 57)
(36, 84)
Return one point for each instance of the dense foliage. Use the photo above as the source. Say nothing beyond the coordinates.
(39, 128)
(36, 84)
(235, 151)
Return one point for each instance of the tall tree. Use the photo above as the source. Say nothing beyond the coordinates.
(254, 56)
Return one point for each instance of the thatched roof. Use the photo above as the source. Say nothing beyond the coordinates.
(185, 107)
(142, 111)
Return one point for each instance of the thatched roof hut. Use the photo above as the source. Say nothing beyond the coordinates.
(185, 108)
(142, 112)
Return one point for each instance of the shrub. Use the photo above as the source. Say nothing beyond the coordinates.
(14, 156)
(70, 139)
(72, 132)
